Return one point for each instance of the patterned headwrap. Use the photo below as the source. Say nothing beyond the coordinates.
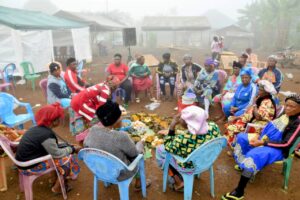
(195, 118)
(268, 86)
(47, 114)
(210, 61)
(294, 97)
(246, 71)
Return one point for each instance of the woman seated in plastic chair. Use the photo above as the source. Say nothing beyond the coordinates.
(41, 140)
(196, 132)
(85, 103)
(115, 142)
(141, 79)
(189, 73)
(223, 101)
(244, 95)
(253, 154)
(57, 90)
(120, 70)
(207, 85)
(243, 61)
(261, 112)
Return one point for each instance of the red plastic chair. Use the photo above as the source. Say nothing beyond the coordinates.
(26, 182)
(43, 85)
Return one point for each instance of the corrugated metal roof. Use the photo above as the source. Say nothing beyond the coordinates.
(178, 23)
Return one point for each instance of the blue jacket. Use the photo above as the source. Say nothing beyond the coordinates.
(278, 76)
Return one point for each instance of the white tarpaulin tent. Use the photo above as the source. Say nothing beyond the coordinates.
(27, 36)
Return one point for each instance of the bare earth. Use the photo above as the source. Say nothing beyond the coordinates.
(267, 185)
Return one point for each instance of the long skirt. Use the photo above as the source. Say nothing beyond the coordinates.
(142, 84)
(161, 157)
(67, 166)
(254, 159)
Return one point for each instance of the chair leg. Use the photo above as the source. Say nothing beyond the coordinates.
(165, 173)
(95, 188)
(62, 186)
(287, 173)
(212, 181)
(124, 189)
(3, 181)
(143, 177)
(27, 184)
(21, 184)
(33, 84)
(188, 186)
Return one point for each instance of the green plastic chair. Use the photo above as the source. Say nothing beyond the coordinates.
(287, 163)
(29, 73)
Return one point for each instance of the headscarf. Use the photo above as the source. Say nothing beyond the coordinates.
(187, 56)
(195, 118)
(109, 113)
(52, 66)
(237, 64)
(294, 97)
(272, 57)
(268, 86)
(47, 114)
(246, 71)
(210, 61)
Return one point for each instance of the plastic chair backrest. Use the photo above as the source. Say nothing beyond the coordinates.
(27, 68)
(7, 105)
(79, 68)
(6, 146)
(9, 71)
(205, 155)
(103, 165)
(292, 149)
(43, 85)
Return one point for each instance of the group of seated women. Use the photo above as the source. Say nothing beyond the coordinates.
(244, 100)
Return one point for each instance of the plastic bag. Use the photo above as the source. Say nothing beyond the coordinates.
(152, 106)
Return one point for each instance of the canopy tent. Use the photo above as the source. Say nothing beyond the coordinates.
(96, 22)
(26, 36)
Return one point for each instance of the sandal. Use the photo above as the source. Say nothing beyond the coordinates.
(228, 196)
(180, 189)
(153, 99)
(67, 187)
(137, 100)
(237, 168)
(148, 183)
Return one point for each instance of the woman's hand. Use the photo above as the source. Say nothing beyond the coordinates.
(77, 148)
(233, 109)
(175, 121)
(256, 142)
(256, 113)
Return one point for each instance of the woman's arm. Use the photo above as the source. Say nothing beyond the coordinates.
(55, 89)
(127, 146)
(51, 147)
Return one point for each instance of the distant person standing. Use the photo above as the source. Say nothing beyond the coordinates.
(215, 48)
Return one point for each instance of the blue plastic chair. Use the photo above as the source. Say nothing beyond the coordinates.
(9, 118)
(119, 92)
(106, 167)
(203, 159)
(80, 68)
(8, 71)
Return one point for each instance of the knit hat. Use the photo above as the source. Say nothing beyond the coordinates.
(108, 113)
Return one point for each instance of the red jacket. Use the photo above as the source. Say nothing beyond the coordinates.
(86, 102)
(72, 81)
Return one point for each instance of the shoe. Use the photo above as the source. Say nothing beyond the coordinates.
(237, 168)
(231, 196)
(176, 108)
(137, 100)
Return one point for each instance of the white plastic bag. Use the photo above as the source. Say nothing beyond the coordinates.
(152, 106)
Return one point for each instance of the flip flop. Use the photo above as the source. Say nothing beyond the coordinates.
(148, 183)
(230, 197)
(181, 189)
(237, 168)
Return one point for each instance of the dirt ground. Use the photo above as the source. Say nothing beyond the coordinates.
(267, 185)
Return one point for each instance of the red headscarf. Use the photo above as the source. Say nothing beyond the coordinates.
(47, 114)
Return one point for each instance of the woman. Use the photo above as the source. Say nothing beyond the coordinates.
(244, 95)
(189, 72)
(140, 74)
(197, 132)
(57, 90)
(271, 73)
(215, 48)
(118, 143)
(167, 71)
(85, 104)
(260, 113)
(41, 140)
(243, 60)
(224, 99)
(120, 70)
(207, 85)
(252, 155)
